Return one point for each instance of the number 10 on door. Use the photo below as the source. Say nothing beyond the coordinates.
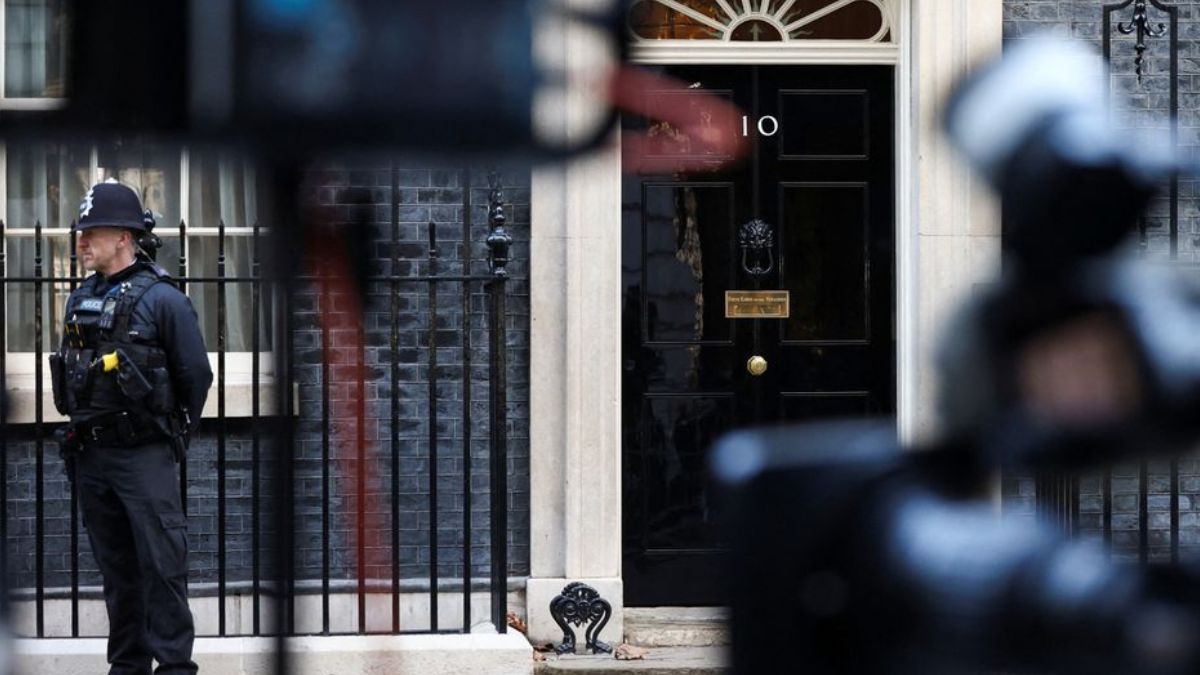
(767, 125)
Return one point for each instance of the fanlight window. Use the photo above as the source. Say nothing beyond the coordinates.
(762, 20)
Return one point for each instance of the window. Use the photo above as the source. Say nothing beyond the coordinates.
(762, 20)
(35, 54)
(203, 189)
(190, 190)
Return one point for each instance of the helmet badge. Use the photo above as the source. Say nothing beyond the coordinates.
(85, 207)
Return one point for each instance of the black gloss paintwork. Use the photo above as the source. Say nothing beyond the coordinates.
(825, 183)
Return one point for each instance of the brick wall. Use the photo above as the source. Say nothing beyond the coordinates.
(337, 189)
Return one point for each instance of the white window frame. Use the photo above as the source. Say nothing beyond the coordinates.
(20, 366)
(40, 103)
(238, 364)
(738, 12)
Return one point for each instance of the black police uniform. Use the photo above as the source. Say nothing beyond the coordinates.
(130, 415)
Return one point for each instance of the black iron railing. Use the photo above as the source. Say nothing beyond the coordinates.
(351, 558)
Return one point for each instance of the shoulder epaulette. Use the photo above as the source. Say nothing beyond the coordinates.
(160, 271)
(147, 276)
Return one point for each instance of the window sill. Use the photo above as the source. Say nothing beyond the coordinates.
(21, 391)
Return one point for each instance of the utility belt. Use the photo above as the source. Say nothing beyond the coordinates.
(116, 428)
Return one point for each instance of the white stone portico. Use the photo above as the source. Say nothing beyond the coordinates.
(947, 239)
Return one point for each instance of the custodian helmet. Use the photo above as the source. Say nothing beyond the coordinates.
(111, 204)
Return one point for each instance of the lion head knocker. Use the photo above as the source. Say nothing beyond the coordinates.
(757, 241)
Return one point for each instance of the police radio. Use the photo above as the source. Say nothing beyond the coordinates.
(147, 242)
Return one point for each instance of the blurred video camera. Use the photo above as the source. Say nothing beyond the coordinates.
(853, 554)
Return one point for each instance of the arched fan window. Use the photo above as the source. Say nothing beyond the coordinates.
(762, 20)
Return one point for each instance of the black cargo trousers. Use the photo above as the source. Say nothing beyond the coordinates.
(129, 498)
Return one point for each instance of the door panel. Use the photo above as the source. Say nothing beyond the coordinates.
(667, 141)
(823, 183)
(817, 405)
(824, 236)
(686, 227)
(678, 432)
(824, 124)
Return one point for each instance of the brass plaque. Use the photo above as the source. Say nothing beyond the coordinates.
(757, 304)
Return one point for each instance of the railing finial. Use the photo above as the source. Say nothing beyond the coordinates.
(499, 241)
(1140, 23)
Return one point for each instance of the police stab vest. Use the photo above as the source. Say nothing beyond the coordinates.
(95, 327)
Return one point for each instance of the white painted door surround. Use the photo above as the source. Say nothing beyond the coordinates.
(948, 240)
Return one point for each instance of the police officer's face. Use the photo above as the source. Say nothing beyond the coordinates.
(104, 249)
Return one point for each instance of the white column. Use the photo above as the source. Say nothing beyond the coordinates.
(575, 370)
(955, 244)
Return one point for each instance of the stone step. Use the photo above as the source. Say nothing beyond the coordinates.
(677, 626)
(659, 661)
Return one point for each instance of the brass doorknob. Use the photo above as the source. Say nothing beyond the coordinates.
(757, 365)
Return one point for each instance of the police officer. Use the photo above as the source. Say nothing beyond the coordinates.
(132, 374)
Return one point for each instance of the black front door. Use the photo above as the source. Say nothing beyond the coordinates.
(819, 182)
